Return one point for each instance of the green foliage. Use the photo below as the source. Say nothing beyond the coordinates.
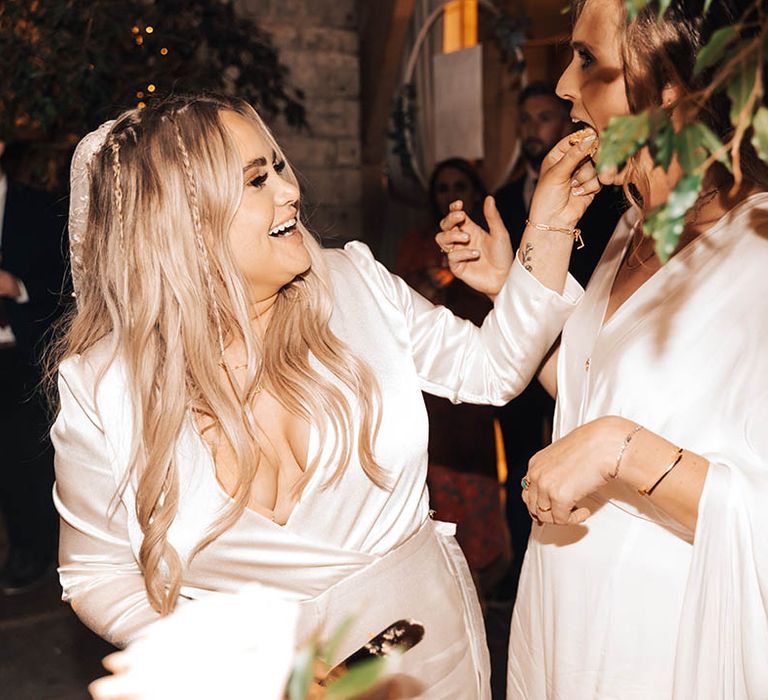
(737, 60)
(361, 677)
(665, 223)
(760, 136)
(634, 7)
(663, 7)
(741, 85)
(303, 672)
(694, 144)
(328, 652)
(621, 139)
(68, 64)
(715, 48)
(662, 144)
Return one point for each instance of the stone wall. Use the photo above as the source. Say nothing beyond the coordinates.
(318, 42)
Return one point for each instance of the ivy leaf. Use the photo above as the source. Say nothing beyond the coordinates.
(663, 7)
(633, 8)
(694, 143)
(713, 144)
(665, 223)
(358, 679)
(715, 48)
(662, 139)
(760, 137)
(740, 86)
(623, 137)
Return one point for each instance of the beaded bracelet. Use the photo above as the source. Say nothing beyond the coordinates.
(574, 233)
(678, 456)
(623, 448)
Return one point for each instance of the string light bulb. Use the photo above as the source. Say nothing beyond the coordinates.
(163, 51)
(141, 105)
(149, 30)
(135, 29)
(139, 94)
(151, 88)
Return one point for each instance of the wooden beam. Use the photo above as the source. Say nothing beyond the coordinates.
(382, 41)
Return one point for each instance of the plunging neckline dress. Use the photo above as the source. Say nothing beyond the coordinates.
(349, 548)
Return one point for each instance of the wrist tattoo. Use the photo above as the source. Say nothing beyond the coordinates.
(526, 257)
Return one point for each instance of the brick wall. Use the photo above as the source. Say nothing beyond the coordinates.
(318, 42)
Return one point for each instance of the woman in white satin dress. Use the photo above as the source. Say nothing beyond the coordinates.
(239, 405)
(649, 575)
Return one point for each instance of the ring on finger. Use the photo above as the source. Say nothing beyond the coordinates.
(447, 250)
(543, 509)
(525, 482)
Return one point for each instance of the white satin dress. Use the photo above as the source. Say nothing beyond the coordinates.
(626, 607)
(350, 549)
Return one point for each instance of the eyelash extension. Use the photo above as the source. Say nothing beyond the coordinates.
(259, 181)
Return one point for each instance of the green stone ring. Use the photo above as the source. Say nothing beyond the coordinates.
(524, 482)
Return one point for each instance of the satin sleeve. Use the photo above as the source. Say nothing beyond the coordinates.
(488, 365)
(99, 573)
(723, 642)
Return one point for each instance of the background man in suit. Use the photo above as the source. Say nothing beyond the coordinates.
(526, 421)
(31, 283)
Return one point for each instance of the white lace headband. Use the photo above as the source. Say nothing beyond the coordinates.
(79, 196)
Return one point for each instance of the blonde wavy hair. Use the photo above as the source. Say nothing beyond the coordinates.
(163, 290)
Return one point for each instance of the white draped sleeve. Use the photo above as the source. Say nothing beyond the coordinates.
(722, 648)
(99, 574)
(457, 360)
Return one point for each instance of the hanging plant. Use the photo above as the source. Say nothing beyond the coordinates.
(67, 65)
(736, 56)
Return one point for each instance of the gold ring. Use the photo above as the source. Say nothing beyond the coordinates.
(543, 510)
(447, 251)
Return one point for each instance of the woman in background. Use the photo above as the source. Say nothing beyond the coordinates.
(462, 475)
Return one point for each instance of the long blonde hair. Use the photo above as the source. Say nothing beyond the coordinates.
(163, 290)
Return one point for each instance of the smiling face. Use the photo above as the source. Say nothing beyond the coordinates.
(266, 242)
(594, 79)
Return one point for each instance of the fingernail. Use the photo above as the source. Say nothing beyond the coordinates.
(464, 237)
(577, 191)
(475, 253)
(574, 183)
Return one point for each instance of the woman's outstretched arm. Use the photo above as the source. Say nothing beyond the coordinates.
(567, 185)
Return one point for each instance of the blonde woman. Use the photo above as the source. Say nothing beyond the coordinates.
(238, 405)
(649, 576)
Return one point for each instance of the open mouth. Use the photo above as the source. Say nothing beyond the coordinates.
(287, 228)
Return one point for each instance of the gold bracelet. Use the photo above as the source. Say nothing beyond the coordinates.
(623, 447)
(574, 233)
(678, 456)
